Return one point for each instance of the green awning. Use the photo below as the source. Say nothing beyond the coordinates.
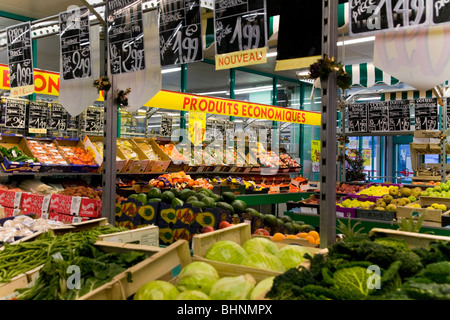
(367, 75)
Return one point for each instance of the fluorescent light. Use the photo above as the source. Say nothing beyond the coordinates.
(255, 89)
(354, 41)
(140, 117)
(212, 92)
(271, 54)
(369, 99)
(170, 70)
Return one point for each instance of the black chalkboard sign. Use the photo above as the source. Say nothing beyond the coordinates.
(441, 11)
(58, 118)
(125, 36)
(239, 25)
(166, 127)
(378, 116)
(20, 59)
(399, 115)
(15, 113)
(374, 16)
(180, 32)
(426, 114)
(93, 119)
(38, 117)
(357, 117)
(75, 44)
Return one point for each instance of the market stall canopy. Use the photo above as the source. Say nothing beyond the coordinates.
(367, 75)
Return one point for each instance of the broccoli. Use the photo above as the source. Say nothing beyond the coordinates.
(288, 285)
(427, 291)
(428, 256)
(315, 292)
(398, 244)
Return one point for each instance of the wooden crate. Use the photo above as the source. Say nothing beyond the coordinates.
(413, 239)
(162, 265)
(433, 217)
(146, 236)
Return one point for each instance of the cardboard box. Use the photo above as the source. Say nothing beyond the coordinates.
(155, 165)
(134, 166)
(90, 143)
(133, 214)
(48, 166)
(433, 217)
(64, 218)
(10, 199)
(10, 141)
(75, 143)
(34, 203)
(175, 164)
(75, 206)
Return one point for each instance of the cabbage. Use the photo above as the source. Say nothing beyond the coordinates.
(226, 251)
(262, 287)
(291, 256)
(233, 288)
(156, 290)
(192, 295)
(263, 260)
(260, 244)
(197, 275)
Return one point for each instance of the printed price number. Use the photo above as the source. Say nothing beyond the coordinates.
(247, 33)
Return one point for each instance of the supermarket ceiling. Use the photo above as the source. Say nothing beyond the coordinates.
(48, 48)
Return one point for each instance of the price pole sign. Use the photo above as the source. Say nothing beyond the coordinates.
(378, 116)
(75, 44)
(426, 114)
(125, 36)
(240, 33)
(399, 115)
(441, 11)
(58, 118)
(38, 117)
(93, 119)
(20, 60)
(375, 16)
(357, 117)
(180, 32)
(15, 113)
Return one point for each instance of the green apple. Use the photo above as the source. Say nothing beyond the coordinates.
(412, 198)
(445, 187)
(447, 182)
(425, 194)
(429, 190)
(437, 188)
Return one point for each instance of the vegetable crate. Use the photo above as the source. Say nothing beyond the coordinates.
(15, 141)
(163, 264)
(155, 165)
(433, 217)
(75, 143)
(95, 143)
(146, 236)
(135, 165)
(414, 239)
(238, 233)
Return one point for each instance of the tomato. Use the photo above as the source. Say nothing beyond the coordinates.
(261, 232)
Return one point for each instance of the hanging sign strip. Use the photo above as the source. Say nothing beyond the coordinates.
(20, 60)
(240, 33)
(426, 114)
(93, 119)
(125, 36)
(38, 117)
(15, 113)
(180, 32)
(357, 117)
(165, 99)
(378, 117)
(75, 44)
(399, 115)
(441, 11)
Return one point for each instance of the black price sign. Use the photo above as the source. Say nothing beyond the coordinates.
(441, 11)
(38, 117)
(180, 32)
(75, 44)
(93, 119)
(448, 113)
(58, 118)
(426, 114)
(357, 117)
(239, 25)
(166, 127)
(15, 113)
(374, 16)
(378, 116)
(125, 36)
(20, 59)
(399, 115)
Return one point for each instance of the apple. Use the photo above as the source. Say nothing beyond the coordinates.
(207, 229)
(261, 232)
(445, 187)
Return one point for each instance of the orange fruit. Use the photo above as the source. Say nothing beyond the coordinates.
(318, 241)
(278, 236)
(302, 235)
(314, 234)
(291, 236)
(311, 239)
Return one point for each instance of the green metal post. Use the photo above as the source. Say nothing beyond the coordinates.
(232, 87)
(275, 142)
(300, 141)
(183, 89)
(119, 123)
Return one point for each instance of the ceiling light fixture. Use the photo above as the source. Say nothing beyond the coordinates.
(355, 41)
(170, 70)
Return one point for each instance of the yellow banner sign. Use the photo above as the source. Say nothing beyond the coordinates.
(241, 58)
(189, 102)
(197, 127)
(315, 150)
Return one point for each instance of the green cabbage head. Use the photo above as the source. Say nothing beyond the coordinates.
(226, 251)
(262, 286)
(192, 295)
(291, 255)
(260, 244)
(156, 290)
(233, 288)
(263, 260)
(197, 275)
